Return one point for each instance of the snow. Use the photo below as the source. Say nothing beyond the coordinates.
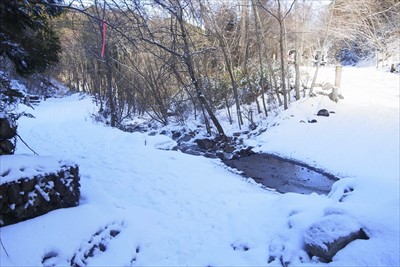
(363, 131)
(172, 209)
(15, 84)
(14, 167)
(329, 229)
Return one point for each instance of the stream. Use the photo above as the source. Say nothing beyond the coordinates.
(283, 175)
(274, 172)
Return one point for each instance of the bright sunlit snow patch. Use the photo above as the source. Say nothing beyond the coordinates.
(13, 167)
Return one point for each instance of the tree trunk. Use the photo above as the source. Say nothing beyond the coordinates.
(110, 95)
(207, 123)
(189, 63)
(322, 48)
(228, 109)
(297, 54)
(228, 63)
(283, 68)
(257, 23)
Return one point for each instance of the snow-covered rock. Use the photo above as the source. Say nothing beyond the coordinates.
(31, 186)
(8, 130)
(331, 234)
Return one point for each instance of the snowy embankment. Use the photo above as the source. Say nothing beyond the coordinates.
(145, 206)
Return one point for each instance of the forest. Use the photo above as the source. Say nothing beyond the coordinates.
(199, 133)
(175, 59)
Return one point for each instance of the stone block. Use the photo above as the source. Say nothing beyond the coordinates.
(29, 197)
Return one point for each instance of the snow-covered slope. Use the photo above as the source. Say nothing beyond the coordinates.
(360, 139)
(144, 206)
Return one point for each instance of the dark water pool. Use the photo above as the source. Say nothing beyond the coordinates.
(283, 175)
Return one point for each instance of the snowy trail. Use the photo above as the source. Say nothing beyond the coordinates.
(172, 209)
(179, 209)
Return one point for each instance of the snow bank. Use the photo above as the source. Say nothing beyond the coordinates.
(14, 167)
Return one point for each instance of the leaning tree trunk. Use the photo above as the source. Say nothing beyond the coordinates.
(233, 81)
(189, 63)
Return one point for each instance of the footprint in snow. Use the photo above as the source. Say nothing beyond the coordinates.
(50, 258)
(98, 243)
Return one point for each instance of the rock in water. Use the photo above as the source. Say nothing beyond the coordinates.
(205, 144)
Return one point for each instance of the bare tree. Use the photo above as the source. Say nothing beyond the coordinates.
(176, 9)
(297, 52)
(260, 48)
(167, 56)
(225, 43)
(325, 37)
(280, 16)
(370, 24)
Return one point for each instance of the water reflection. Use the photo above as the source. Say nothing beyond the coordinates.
(283, 175)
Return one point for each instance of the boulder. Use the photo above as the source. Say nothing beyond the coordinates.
(244, 152)
(6, 147)
(176, 135)
(252, 126)
(331, 234)
(323, 112)
(8, 128)
(186, 137)
(229, 148)
(205, 144)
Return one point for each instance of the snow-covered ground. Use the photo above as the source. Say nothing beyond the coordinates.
(172, 209)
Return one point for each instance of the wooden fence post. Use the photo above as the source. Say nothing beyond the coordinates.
(338, 76)
(334, 96)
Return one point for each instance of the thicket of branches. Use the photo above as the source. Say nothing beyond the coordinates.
(365, 28)
(172, 59)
